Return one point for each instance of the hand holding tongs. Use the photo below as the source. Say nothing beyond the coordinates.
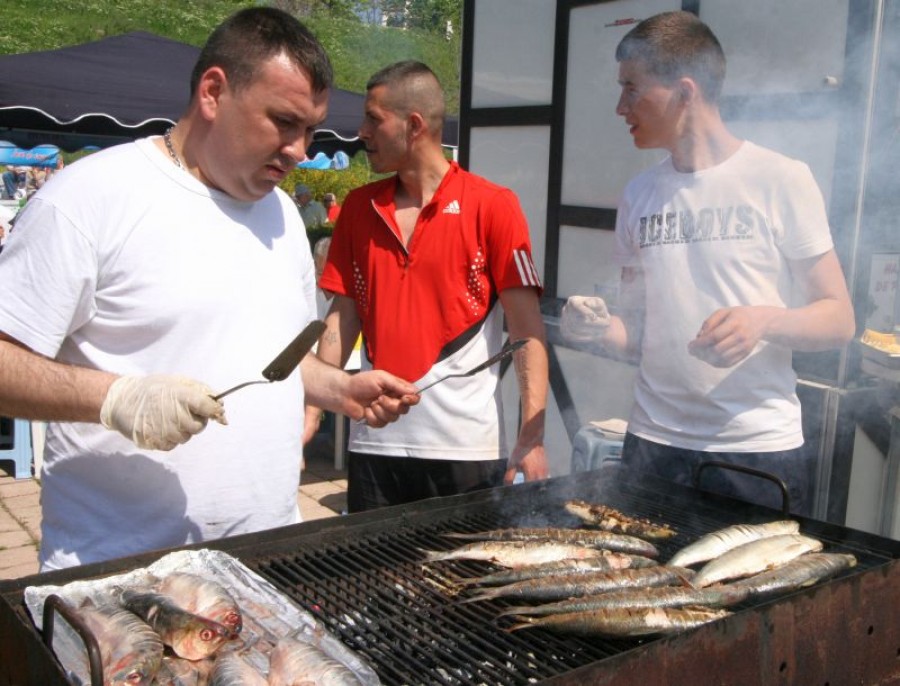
(505, 351)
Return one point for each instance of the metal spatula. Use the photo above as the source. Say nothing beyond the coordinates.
(287, 360)
(505, 351)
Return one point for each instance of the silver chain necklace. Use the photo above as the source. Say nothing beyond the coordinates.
(167, 137)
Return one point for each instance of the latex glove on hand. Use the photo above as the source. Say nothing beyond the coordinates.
(584, 319)
(159, 411)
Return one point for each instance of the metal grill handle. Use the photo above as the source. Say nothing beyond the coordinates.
(785, 497)
(54, 604)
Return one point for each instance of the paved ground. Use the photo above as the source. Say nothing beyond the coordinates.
(322, 493)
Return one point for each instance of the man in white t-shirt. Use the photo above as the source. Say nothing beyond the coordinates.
(117, 305)
(716, 244)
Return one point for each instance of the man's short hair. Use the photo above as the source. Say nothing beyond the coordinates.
(253, 35)
(301, 189)
(412, 87)
(673, 45)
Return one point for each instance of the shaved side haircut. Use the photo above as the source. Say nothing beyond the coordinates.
(412, 87)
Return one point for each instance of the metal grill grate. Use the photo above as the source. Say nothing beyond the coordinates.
(363, 576)
(377, 596)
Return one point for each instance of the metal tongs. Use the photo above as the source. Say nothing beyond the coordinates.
(505, 351)
(287, 360)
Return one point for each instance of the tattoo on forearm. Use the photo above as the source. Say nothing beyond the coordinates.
(331, 337)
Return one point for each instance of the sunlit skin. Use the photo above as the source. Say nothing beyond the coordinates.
(383, 132)
(651, 108)
(253, 137)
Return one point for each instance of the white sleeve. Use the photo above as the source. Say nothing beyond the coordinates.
(48, 277)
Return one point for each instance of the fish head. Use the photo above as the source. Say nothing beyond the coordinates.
(133, 670)
(233, 620)
(199, 638)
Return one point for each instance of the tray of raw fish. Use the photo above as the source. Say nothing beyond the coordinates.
(604, 578)
(191, 618)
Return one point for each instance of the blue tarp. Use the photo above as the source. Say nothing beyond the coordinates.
(322, 161)
(40, 156)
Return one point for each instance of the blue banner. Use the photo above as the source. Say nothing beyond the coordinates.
(40, 156)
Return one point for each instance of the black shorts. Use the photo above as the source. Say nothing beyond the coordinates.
(796, 468)
(381, 480)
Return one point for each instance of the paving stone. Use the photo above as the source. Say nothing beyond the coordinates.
(14, 539)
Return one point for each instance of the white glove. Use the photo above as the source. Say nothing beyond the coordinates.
(159, 411)
(584, 319)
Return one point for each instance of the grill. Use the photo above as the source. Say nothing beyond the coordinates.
(363, 576)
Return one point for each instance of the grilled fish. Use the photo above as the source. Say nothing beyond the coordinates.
(296, 663)
(621, 622)
(190, 636)
(610, 519)
(661, 596)
(721, 541)
(805, 570)
(607, 562)
(592, 537)
(597, 539)
(754, 557)
(131, 652)
(588, 583)
(203, 597)
(232, 670)
(176, 671)
(515, 553)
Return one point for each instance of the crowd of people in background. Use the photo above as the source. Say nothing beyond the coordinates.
(21, 181)
(315, 214)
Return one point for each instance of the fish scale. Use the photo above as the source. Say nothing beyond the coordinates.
(622, 622)
(662, 596)
(718, 542)
(131, 652)
(754, 557)
(575, 585)
(802, 571)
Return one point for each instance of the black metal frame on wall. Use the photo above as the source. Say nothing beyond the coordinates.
(845, 211)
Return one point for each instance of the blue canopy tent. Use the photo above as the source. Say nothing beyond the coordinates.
(125, 87)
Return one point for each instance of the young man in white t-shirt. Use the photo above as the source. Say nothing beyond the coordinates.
(714, 242)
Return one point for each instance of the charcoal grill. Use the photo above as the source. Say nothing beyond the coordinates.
(363, 576)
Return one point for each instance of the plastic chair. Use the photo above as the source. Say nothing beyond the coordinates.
(19, 449)
(592, 449)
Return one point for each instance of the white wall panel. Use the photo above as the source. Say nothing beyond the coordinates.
(586, 265)
(774, 46)
(813, 141)
(598, 155)
(517, 157)
(513, 53)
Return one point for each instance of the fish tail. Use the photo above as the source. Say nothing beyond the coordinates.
(433, 555)
(484, 595)
(523, 623)
(521, 611)
(684, 575)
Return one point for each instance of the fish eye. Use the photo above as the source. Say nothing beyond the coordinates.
(207, 635)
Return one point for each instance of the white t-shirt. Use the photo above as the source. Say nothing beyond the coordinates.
(716, 238)
(128, 264)
(458, 419)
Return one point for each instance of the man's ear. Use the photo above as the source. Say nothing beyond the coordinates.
(210, 87)
(416, 125)
(688, 90)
